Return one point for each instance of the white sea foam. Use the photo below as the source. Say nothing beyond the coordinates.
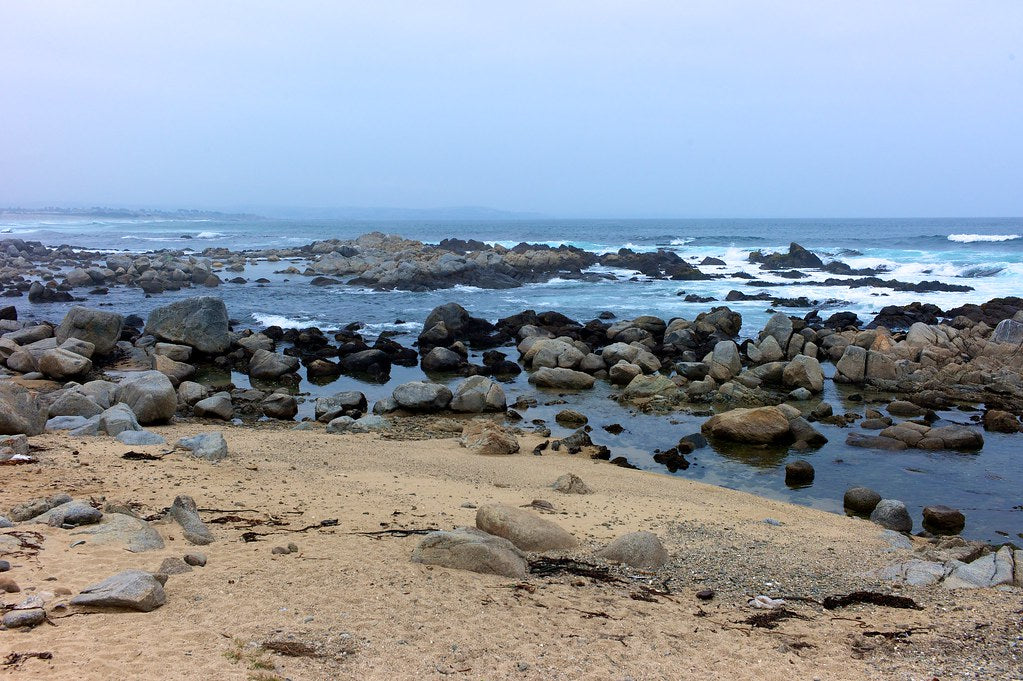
(282, 321)
(682, 241)
(972, 238)
(209, 235)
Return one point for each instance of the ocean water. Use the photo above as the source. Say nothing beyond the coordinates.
(986, 254)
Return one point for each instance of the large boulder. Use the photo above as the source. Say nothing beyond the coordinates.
(853, 364)
(150, 395)
(1008, 331)
(373, 362)
(20, 412)
(641, 550)
(73, 403)
(271, 365)
(116, 420)
(561, 378)
(422, 396)
(441, 360)
(527, 530)
(99, 327)
(348, 403)
(131, 590)
(216, 406)
(478, 394)
(60, 364)
(467, 548)
(804, 372)
(279, 406)
(763, 425)
(725, 361)
(200, 322)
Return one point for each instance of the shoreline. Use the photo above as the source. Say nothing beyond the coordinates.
(338, 585)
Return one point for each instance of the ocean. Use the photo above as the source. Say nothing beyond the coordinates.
(983, 253)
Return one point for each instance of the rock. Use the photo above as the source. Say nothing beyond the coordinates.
(60, 364)
(470, 549)
(943, 520)
(525, 529)
(645, 387)
(99, 327)
(875, 442)
(623, 372)
(861, 500)
(725, 361)
(641, 550)
(271, 365)
(150, 395)
(892, 514)
(140, 438)
(29, 617)
(117, 419)
(422, 396)
(5, 565)
(570, 418)
(184, 512)
(478, 394)
(799, 472)
(200, 322)
(561, 378)
(804, 372)
(570, 483)
(209, 446)
(217, 406)
(30, 509)
(342, 424)
(178, 353)
(70, 513)
(1008, 331)
(190, 392)
(373, 362)
(175, 371)
(998, 421)
(73, 403)
(957, 438)
(15, 444)
(988, 571)
(195, 559)
(118, 528)
(8, 585)
(20, 411)
(173, 566)
(131, 589)
(763, 425)
(349, 403)
(853, 364)
(488, 438)
(779, 327)
(279, 406)
(441, 359)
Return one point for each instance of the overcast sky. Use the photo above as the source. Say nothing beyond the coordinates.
(574, 108)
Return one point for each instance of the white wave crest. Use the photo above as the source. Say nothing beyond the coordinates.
(209, 235)
(682, 241)
(282, 321)
(972, 238)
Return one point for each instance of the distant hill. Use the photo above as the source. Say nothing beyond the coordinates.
(103, 212)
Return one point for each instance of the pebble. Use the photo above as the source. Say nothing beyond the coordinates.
(195, 559)
(4, 566)
(705, 594)
(772, 521)
(292, 547)
(468, 504)
(8, 585)
(279, 551)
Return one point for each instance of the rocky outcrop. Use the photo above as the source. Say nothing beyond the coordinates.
(200, 323)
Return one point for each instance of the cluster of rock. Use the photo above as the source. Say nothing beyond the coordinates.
(504, 536)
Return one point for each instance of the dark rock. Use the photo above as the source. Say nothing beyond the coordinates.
(943, 520)
(860, 500)
(797, 257)
(799, 472)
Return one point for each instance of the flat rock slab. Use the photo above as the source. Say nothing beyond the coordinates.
(131, 589)
(135, 534)
(471, 549)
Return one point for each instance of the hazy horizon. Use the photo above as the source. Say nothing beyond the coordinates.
(652, 110)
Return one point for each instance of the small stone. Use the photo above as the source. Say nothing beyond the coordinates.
(705, 594)
(570, 483)
(174, 566)
(4, 566)
(195, 559)
(280, 551)
(292, 547)
(799, 472)
(8, 585)
(24, 618)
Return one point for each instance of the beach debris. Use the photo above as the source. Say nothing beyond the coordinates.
(872, 598)
(14, 659)
(548, 567)
(766, 602)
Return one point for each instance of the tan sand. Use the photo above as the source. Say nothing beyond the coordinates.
(385, 617)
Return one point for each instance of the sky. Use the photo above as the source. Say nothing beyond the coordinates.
(639, 108)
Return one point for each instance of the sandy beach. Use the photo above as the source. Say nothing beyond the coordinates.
(362, 610)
